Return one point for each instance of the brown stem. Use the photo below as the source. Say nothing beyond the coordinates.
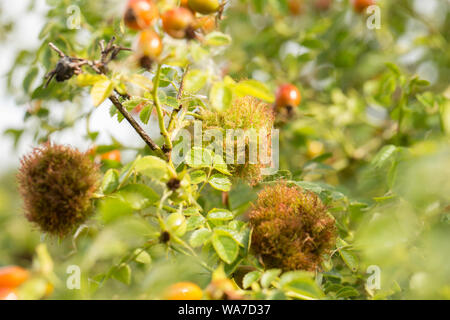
(226, 199)
(55, 48)
(137, 127)
(181, 88)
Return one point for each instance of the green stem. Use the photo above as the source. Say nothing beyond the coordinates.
(203, 264)
(192, 252)
(170, 209)
(206, 181)
(195, 115)
(159, 111)
(400, 118)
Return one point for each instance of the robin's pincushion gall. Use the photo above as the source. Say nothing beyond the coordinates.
(292, 229)
(57, 184)
(244, 114)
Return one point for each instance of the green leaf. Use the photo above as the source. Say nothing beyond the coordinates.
(217, 38)
(127, 170)
(152, 167)
(138, 196)
(199, 237)
(123, 273)
(194, 222)
(302, 283)
(110, 181)
(101, 90)
(145, 113)
(427, 99)
(256, 89)
(141, 81)
(195, 80)
(312, 43)
(220, 96)
(220, 182)
(86, 79)
(198, 176)
(29, 78)
(113, 208)
(417, 82)
(393, 68)
(226, 248)
(216, 215)
(243, 237)
(347, 292)
(142, 256)
(230, 233)
(251, 278)
(199, 158)
(220, 165)
(350, 259)
(310, 186)
(269, 276)
(132, 103)
(277, 295)
(191, 211)
(383, 156)
(291, 276)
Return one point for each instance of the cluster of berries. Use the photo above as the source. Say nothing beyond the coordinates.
(180, 22)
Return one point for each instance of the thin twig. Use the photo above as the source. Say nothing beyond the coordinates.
(60, 53)
(136, 126)
(175, 111)
(181, 88)
(195, 115)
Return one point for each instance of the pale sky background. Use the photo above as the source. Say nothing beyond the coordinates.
(10, 115)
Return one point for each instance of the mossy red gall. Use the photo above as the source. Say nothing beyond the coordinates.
(57, 184)
(292, 229)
